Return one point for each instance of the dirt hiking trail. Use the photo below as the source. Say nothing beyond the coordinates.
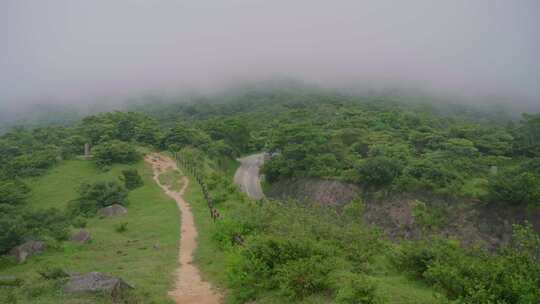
(189, 287)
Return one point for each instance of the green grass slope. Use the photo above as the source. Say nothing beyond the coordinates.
(152, 219)
(214, 263)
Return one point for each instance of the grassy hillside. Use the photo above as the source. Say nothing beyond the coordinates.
(218, 263)
(152, 221)
(441, 165)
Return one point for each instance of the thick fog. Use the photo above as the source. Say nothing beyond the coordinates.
(72, 51)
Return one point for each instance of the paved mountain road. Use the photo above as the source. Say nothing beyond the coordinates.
(247, 175)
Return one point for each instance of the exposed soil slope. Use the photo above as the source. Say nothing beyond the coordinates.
(189, 287)
(327, 192)
(467, 220)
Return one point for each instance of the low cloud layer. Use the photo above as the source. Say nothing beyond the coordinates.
(70, 50)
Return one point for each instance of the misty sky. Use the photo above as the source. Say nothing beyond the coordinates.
(69, 50)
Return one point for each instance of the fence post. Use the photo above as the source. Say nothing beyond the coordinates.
(183, 162)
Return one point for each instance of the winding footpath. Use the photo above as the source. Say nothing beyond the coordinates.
(189, 287)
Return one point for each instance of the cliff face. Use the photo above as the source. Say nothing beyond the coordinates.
(327, 192)
(409, 216)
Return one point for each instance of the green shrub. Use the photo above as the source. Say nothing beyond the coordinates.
(13, 192)
(18, 224)
(303, 277)
(32, 164)
(532, 165)
(379, 171)
(428, 217)
(10, 297)
(132, 179)
(515, 187)
(121, 227)
(49, 222)
(94, 196)
(287, 243)
(359, 245)
(247, 277)
(275, 251)
(355, 289)
(511, 275)
(79, 222)
(53, 273)
(295, 267)
(7, 261)
(34, 291)
(416, 257)
(115, 151)
(12, 229)
(229, 232)
(429, 175)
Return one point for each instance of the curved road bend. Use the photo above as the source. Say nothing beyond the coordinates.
(247, 175)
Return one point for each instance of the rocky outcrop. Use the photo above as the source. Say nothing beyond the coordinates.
(97, 282)
(27, 249)
(327, 192)
(83, 236)
(113, 211)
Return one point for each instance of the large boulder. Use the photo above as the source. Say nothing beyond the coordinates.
(83, 236)
(97, 282)
(113, 210)
(27, 249)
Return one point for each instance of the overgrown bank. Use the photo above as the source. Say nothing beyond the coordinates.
(287, 252)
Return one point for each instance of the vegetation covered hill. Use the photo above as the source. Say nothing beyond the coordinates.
(275, 252)
(376, 143)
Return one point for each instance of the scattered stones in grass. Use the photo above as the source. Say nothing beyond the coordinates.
(27, 249)
(113, 211)
(97, 282)
(83, 236)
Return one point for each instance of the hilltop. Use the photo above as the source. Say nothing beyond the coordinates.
(376, 200)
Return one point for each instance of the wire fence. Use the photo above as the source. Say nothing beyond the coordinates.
(194, 171)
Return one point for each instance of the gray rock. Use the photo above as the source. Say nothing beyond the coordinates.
(83, 236)
(10, 281)
(113, 210)
(97, 282)
(29, 248)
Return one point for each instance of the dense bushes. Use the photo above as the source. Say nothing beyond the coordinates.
(115, 151)
(300, 278)
(429, 175)
(13, 192)
(131, 179)
(515, 187)
(94, 196)
(296, 252)
(12, 231)
(19, 224)
(355, 289)
(471, 275)
(379, 171)
(122, 126)
(297, 268)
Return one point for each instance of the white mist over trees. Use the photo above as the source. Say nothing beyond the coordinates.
(72, 51)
